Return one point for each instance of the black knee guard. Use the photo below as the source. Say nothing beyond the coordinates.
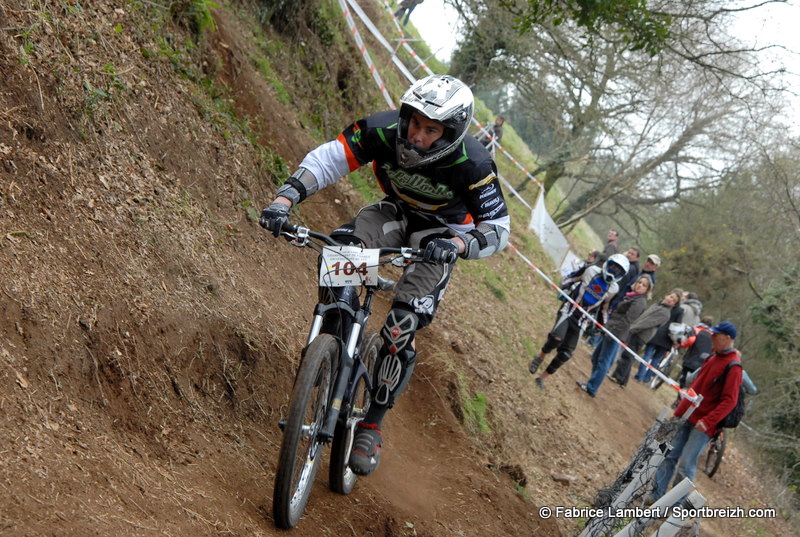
(397, 357)
(560, 359)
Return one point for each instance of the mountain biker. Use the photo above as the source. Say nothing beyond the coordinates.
(592, 288)
(718, 400)
(442, 195)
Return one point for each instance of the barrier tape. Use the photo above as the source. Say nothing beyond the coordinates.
(689, 394)
(377, 34)
(363, 48)
(514, 191)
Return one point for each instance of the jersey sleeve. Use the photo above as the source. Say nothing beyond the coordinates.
(360, 143)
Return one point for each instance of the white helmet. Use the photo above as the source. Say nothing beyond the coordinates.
(441, 98)
(615, 268)
(679, 332)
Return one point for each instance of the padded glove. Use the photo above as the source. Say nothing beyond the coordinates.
(440, 251)
(273, 217)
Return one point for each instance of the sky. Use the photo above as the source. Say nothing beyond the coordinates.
(437, 24)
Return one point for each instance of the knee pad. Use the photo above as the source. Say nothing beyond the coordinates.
(397, 357)
(563, 356)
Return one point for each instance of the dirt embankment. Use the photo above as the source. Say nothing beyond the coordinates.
(150, 329)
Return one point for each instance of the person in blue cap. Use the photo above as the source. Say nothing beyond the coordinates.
(720, 391)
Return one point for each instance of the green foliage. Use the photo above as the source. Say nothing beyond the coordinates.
(475, 413)
(194, 14)
(639, 27)
(250, 210)
(364, 181)
(778, 312)
(496, 285)
(265, 68)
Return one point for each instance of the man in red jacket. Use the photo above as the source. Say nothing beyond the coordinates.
(719, 398)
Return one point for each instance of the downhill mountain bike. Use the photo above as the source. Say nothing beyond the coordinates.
(716, 449)
(332, 388)
(665, 365)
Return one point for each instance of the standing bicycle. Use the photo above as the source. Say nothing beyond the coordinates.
(678, 334)
(442, 197)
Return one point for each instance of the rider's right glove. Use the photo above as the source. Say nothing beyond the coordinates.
(440, 251)
(273, 217)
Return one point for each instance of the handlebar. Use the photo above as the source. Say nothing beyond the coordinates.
(298, 236)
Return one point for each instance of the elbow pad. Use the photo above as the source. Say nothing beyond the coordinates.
(299, 186)
(484, 240)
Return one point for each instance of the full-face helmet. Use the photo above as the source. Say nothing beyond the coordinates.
(615, 268)
(679, 332)
(440, 98)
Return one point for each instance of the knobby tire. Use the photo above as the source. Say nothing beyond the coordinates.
(301, 453)
(341, 477)
(716, 450)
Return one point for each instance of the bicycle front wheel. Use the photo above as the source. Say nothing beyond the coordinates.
(342, 479)
(716, 450)
(301, 452)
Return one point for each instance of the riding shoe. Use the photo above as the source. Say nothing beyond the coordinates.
(366, 453)
(534, 365)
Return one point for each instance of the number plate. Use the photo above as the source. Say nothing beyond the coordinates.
(343, 266)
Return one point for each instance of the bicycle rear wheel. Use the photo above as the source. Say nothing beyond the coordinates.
(341, 477)
(301, 453)
(716, 450)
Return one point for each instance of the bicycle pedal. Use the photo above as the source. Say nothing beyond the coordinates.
(282, 424)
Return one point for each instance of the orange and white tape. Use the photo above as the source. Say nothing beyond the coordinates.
(363, 48)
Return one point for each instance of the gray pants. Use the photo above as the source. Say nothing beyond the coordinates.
(385, 223)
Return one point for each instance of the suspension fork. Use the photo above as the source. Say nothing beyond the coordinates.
(343, 383)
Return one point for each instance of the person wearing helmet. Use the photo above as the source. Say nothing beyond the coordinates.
(441, 195)
(592, 289)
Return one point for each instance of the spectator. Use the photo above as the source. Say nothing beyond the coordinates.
(641, 331)
(651, 265)
(592, 290)
(631, 307)
(660, 344)
(698, 348)
(406, 6)
(495, 132)
(692, 309)
(611, 243)
(625, 287)
(626, 283)
(719, 398)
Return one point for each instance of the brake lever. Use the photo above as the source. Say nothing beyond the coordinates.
(405, 257)
(299, 238)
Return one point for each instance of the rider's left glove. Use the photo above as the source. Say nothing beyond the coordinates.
(440, 251)
(273, 217)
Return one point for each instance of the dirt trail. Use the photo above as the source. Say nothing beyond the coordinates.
(149, 329)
